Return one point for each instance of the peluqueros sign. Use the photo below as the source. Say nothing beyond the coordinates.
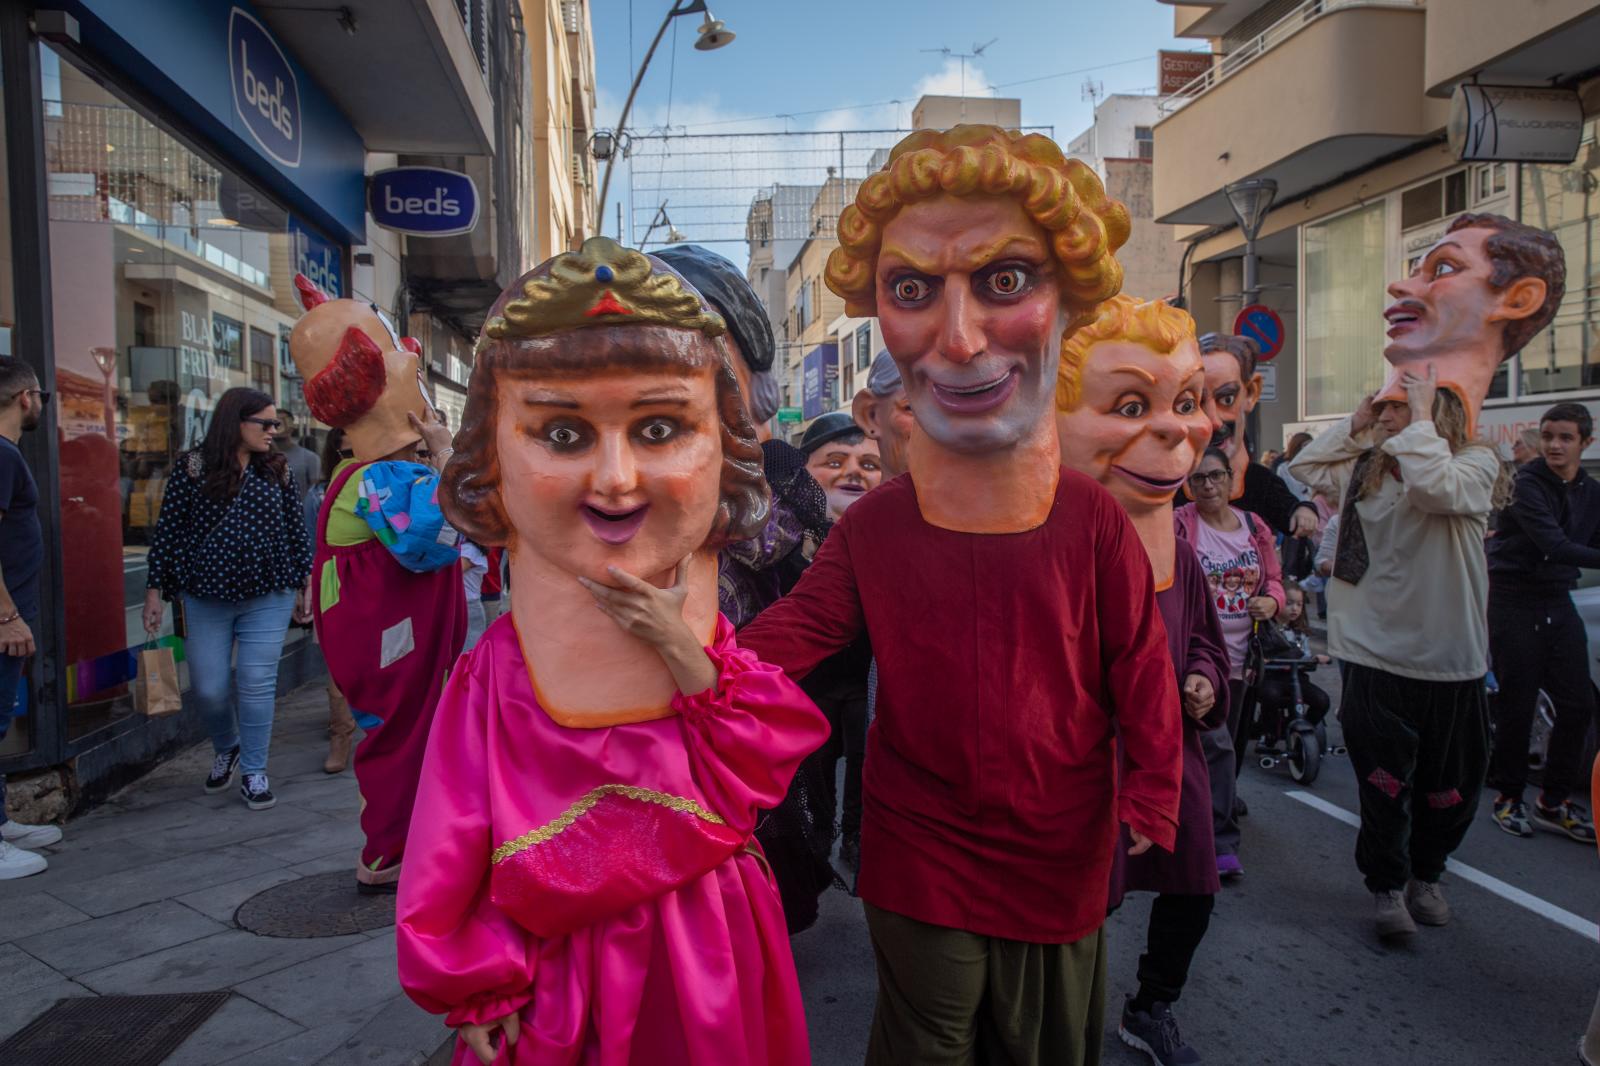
(265, 92)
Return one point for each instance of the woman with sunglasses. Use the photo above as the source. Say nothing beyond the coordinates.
(231, 542)
(1240, 561)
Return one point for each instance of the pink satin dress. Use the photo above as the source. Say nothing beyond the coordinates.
(601, 882)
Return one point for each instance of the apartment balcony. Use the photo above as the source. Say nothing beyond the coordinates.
(1327, 91)
(442, 104)
(1499, 42)
(1211, 18)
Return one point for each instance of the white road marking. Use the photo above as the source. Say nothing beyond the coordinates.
(1511, 893)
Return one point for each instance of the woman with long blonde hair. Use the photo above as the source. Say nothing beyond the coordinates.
(1406, 613)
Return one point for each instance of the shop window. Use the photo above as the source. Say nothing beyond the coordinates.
(1344, 295)
(1566, 201)
(172, 281)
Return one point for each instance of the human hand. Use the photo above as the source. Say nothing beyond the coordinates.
(154, 610)
(481, 1038)
(1324, 659)
(436, 436)
(1364, 416)
(302, 604)
(1262, 607)
(1141, 843)
(1198, 696)
(16, 639)
(1420, 393)
(1303, 522)
(655, 616)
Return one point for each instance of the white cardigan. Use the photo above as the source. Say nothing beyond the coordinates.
(1419, 611)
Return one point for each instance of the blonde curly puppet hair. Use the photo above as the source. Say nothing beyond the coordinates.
(1064, 196)
(1155, 324)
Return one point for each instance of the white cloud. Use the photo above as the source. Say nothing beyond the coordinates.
(954, 80)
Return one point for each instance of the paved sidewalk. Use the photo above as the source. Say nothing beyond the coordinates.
(140, 897)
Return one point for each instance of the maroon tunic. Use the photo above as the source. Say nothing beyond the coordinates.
(990, 799)
(1194, 639)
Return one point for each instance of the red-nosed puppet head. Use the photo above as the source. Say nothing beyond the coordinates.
(360, 374)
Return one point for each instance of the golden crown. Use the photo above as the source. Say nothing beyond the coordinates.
(602, 284)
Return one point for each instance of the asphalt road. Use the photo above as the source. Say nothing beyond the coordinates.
(1291, 972)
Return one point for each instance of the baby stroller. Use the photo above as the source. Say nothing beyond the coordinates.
(1283, 710)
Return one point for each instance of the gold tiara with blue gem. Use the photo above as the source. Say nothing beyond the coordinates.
(602, 284)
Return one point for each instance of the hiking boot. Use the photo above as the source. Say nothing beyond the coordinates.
(255, 791)
(222, 771)
(1229, 867)
(1425, 900)
(1511, 816)
(1156, 1034)
(14, 862)
(1393, 919)
(23, 835)
(1565, 817)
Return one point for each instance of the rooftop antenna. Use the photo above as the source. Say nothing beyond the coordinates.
(1093, 91)
(949, 53)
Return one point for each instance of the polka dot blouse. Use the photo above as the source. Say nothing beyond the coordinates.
(230, 550)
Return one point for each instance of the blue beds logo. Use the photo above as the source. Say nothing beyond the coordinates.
(423, 201)
(265, 92)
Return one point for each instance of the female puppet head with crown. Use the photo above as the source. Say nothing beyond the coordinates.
(604, 440)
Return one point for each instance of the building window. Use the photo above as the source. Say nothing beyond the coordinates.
(262, 356)
(864, 352)
(1566, 200)
(1345, 267)
(1145, 139)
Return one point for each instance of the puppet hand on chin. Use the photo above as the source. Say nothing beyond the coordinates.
(655, 616)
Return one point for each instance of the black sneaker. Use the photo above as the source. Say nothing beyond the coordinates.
(255, 792)
(1156, 1034)
(222, 769)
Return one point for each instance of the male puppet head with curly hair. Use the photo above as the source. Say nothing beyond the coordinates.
(980, 250)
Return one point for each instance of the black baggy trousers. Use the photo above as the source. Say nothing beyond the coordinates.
(1539, 644)
(1419, 750)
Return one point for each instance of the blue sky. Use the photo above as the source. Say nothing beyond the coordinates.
(836, 65)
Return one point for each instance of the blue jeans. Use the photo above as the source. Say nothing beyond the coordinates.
(11, 668)
(258, 626)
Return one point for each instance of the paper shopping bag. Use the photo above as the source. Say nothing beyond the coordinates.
(155, 687)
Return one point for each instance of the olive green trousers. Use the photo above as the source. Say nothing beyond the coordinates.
(952, 998)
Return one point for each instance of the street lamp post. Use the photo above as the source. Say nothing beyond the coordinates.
(713, 35)
(1250, 200)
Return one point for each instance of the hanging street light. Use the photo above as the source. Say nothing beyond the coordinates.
(714, 34)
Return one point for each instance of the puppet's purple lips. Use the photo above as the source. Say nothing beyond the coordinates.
(978, 398)
(1157, 484)
(614, 526)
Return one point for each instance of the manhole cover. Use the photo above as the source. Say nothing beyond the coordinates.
(324, 905)
(96, 1030)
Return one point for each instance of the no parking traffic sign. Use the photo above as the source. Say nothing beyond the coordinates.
(1261, 324)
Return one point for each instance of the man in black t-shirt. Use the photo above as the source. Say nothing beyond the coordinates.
(21, 559)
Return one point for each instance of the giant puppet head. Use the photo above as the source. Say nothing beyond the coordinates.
(883, 411)
(1474, 300)
(1233, 389)
(1130, 414)
(979, 250)
(361, 376)
(603, 428)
